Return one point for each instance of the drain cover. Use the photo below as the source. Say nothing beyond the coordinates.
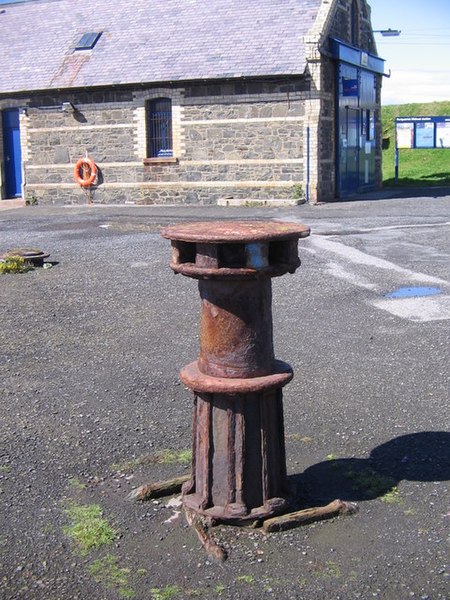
(413, 292)
(32, 255)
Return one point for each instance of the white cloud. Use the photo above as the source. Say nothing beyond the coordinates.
(406, 86)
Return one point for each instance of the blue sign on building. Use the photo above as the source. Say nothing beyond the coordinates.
(350, 87)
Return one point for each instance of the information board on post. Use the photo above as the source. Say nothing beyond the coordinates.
(420, 132)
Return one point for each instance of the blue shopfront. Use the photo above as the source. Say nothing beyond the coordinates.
(357, 89)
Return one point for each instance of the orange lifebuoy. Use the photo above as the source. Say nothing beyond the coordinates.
(85, 172)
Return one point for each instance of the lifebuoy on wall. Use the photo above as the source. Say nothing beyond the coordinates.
(85, 172)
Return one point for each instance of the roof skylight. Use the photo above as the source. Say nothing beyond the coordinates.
(88, 40)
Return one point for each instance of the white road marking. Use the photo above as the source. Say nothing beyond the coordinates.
(375, 273)
(355, 256)
(406, 226)
(431, 308)
(338, 270)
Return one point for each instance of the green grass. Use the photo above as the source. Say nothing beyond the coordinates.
(392, 496)
(165, 457)
(76, 484)
(107, 572)
(14, 264)
(246, 579)
(170, 591)
(88, 529)
(332, 570)
(331, 456)
(297, 437)
(420, 167)
(370, 482)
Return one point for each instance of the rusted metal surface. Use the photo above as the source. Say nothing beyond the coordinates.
(31, 255)
(239, 467)
(236, 328)
(310, 515)
(219, 232)
(239, 464)
(194, 379)
(235, 250)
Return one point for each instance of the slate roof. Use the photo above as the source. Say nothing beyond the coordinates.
(150, 41)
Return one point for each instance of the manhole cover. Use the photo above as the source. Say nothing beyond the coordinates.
(32, 255)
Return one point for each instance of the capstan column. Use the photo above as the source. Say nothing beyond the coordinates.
(238, 464)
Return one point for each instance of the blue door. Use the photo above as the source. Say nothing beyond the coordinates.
(12, 156)
(349, 152)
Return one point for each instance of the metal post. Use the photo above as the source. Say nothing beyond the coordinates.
(396, 162)
(239, 466)
(308, 158)
(395, 152)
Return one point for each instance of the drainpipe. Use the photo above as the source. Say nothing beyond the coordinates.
(308, 158)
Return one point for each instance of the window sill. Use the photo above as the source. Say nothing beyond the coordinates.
(160, 160)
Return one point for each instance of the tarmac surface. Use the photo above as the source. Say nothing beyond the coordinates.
(91, 405)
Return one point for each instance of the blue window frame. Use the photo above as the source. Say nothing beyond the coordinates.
(159, 125)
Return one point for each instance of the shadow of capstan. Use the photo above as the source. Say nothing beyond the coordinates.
(422, 456)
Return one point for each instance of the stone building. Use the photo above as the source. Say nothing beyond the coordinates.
(195, 101)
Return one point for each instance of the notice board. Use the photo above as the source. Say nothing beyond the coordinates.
(422, 132)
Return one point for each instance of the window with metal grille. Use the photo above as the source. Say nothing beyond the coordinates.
(159, 123)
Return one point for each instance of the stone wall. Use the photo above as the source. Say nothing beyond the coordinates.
(241, 140)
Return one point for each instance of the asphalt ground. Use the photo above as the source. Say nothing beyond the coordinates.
(91, 405)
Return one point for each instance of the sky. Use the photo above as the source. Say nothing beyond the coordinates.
(419, 59)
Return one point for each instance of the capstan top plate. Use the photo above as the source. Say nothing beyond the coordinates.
(217, 232)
